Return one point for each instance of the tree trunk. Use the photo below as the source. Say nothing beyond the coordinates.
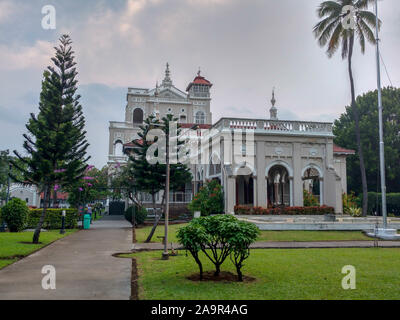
(239, 273)
(217, 269)
(156, 219)
(46, 199)
(55, 198)
(358, 136)
(196, 258)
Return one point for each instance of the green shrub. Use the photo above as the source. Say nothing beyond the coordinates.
(209, 200)
(15, 214)
(53, 219)
(218, 237)
(140, 214)
(349, 201)
(309, 200)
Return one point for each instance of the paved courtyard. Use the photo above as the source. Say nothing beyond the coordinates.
(85, 267)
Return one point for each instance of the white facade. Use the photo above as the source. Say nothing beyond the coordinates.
(285, 156)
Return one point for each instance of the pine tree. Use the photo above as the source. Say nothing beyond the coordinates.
(151, 178)
(56, 143)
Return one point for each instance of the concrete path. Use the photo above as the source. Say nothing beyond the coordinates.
(288, 245)
(85, 267)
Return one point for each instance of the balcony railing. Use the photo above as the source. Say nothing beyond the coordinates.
(180, 197)
(174, 197)
(276, 126)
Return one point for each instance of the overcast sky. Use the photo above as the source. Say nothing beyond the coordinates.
(243, 47)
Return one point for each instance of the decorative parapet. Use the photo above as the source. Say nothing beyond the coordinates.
(276, 126)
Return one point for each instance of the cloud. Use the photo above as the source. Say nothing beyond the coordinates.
(22, 57)
(243, 47)
(7, 9)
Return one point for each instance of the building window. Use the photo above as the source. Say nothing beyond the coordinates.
(118, 148)
(182, 119)
(138, 115)
(200, 117)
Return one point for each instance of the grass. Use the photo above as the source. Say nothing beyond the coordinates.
(142, 233)
(17, 245)
(281, 274)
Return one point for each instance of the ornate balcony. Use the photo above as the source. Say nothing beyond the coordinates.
(282, 127)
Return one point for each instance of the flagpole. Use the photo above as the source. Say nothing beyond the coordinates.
(381, 142)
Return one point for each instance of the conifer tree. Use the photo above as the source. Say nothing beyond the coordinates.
(151, 178)
(56, 141)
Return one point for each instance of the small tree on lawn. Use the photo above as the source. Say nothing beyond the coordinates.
(218, 237)
(56, 142)
(242, 235)
(217, 247)
(191, 237)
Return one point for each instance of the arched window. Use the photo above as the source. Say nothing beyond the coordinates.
(138, 115)
(182, 119)
(118, 148)
(200, 117)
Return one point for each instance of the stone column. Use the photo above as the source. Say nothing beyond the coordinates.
(261, 181)
(255, 191)
(291, 191)
(297, 181)
(321, 191)
(231, 192)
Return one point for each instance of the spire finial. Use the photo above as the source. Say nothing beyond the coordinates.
(273, 112)
(167, 82)
(199, 72)
(156, 92)
(273, 101)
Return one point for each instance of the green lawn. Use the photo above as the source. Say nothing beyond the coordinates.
(142, 233)
(280, 274)
(11, 247)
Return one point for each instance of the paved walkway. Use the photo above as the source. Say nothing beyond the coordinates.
(85, 267)
(288, 245)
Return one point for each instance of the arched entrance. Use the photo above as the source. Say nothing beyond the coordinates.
(278, 186)
(313, 182)
(245, 177)
(245, 190)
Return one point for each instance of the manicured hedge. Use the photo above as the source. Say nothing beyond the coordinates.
(53, 218)
(375, 203)
(244, 210)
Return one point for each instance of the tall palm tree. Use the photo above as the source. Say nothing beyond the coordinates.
(330, 32)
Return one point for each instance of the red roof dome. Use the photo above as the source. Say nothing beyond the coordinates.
(199, 80)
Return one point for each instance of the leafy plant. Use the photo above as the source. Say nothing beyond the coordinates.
(309, 200)
(15, 214)
(355, 212)
(219, 237)
(191, 237)
(243, 235)
(209, 200)
(349, 201)
(140, 214)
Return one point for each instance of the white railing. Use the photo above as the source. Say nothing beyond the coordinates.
(180, 197)
(276, 126)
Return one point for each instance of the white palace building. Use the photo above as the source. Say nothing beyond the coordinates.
(287, 156)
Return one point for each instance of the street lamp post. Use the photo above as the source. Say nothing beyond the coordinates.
(381, 142)
(165, 254)
(8, 183)
(385, 232)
